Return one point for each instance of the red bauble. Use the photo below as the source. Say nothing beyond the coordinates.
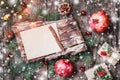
(63, 67)
(99, 21)
(103, 53)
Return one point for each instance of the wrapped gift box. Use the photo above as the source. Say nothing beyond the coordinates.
(99, 72)
(48, 40)
(109, 53)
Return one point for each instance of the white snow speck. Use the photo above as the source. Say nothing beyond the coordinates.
(1, 69)
(76, 2)
(12, 2)
(45, 12)
(1, 56)
(56, 3)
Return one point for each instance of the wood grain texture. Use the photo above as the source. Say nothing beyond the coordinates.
(90, 6)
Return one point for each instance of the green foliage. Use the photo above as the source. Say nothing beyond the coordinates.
(73, 58)
(51, 67)
(6, 8)
(51, 70)
(53, 16)
(12, 45)
(90, 41)
(86, 57)
(26, 69)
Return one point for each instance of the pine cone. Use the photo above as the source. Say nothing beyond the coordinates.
(9, 35)
(64, 8)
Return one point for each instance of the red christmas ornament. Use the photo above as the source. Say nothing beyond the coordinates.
(82, 68)
(83, 12)
(99, 21)
(101, 73)
(103, 53)
(63, 67)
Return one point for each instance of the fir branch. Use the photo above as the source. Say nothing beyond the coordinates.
(86, 57)
(12, 45)
(73, 58)
(52, 16)
(90, 41)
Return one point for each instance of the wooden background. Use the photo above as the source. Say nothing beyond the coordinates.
(90, 6)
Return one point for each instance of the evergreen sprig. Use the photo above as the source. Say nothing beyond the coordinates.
(12, 45)
(26, 69)
(52, 16)
(86, 57)
(90, 41)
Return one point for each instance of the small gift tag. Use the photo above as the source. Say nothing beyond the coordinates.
(109, 53)
(99, 72)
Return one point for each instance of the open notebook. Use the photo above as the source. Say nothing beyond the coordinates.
(41, 41)
(46, 40)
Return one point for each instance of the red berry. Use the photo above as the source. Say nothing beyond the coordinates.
(24, 4)
(82, 68)
(63, 67)
(99, 21)
(103, 53)
(46, 62)
(88, 33)
(83, 12)
(9, 55)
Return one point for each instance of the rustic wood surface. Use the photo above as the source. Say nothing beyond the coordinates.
(90, 6)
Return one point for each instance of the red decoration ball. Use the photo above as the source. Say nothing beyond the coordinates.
(63, 67)
(99, 21)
